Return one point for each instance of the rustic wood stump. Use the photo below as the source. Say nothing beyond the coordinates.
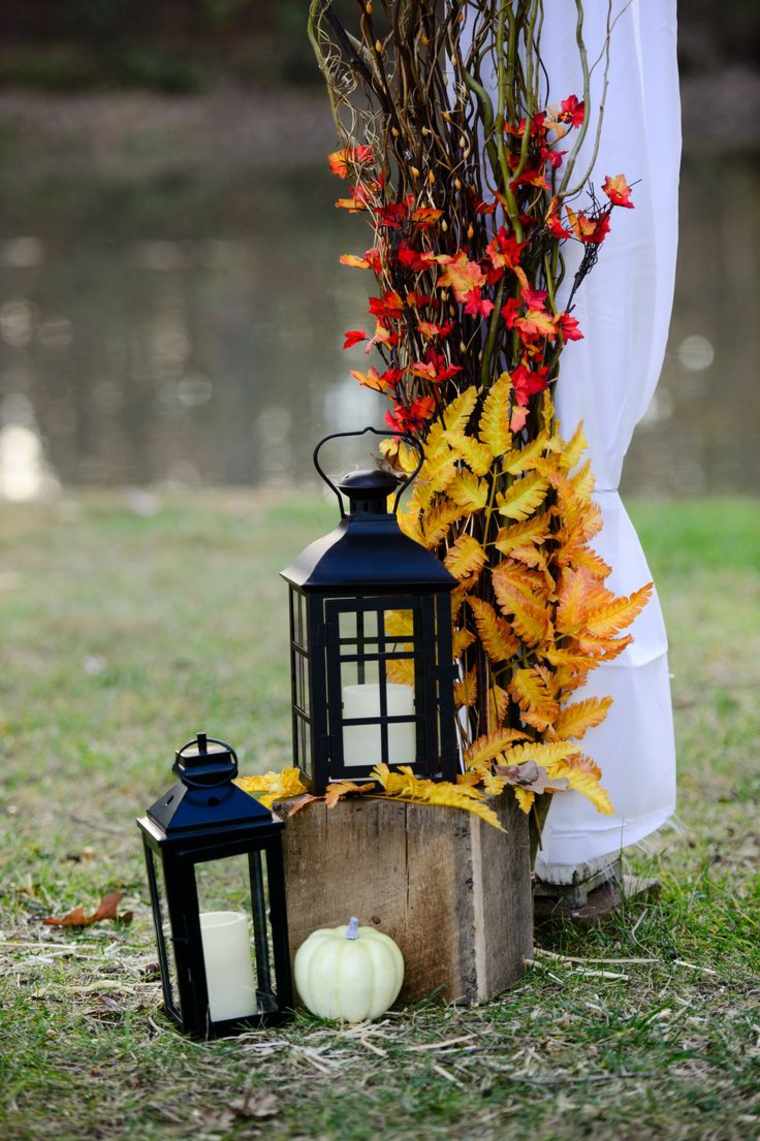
(454, 892)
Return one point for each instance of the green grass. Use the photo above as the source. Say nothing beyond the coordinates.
(123, 634)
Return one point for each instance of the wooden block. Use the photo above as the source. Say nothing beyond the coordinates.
(453, 892)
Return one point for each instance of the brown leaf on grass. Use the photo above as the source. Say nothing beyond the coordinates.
(106, 909)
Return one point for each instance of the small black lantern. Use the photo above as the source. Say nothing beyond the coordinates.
(370, 635)
(217, 889)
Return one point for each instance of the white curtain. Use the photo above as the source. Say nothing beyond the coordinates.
(607, 380)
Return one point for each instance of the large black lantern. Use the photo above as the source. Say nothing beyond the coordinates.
(214, 860)
(370, 636)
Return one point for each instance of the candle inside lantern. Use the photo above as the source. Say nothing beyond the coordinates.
(362, 743)
(229, 969)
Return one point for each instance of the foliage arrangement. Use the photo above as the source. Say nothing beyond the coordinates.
(470, 181)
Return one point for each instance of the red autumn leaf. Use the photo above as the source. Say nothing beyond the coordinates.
(536, 323)
(393, 214)
(504, 250)
(572, 110)
(389, 306)
(476, 305)
(509, 311)
(554, 158)
(383, 336)
(534, 176)
(428, 329)
(534, 298)
(602, 228)
(410, 419)
(485, 207)
(106, 909)
(568, 327)
(412, 259)
(554, 221)
(426, 216)
(527, 382)
(339, 161)
(353, 337)
(617, 190)
(425, 370)
(418, 300)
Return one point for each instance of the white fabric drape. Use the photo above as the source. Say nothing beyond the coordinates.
(607, 380)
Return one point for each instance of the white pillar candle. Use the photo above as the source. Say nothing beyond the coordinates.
(362, 743)
(227, 956)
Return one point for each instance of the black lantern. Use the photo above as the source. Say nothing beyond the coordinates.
(370, 635)
(214, 860)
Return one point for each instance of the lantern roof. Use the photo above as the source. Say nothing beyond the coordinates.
(205, 798)
(368, 551)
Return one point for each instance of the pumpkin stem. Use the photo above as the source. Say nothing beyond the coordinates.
(352, 931)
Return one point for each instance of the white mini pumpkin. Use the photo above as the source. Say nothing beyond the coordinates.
(349, 973)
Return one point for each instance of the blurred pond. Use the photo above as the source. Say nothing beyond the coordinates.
(186, 330)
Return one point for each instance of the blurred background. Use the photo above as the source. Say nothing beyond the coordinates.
(171, 304)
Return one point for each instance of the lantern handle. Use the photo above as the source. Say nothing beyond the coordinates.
(377, 432)
(203, 741)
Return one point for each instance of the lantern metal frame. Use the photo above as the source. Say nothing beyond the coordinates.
(204, 817)
(368, 565)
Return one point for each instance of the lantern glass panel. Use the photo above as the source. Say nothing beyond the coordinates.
(373, 643)
(236, 935)
(164, 940)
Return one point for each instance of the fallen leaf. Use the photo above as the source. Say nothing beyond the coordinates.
(259, 1105)
(106, 909)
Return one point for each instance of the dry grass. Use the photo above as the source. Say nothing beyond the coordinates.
(122, 634)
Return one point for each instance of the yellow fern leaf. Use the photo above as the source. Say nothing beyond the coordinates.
(469, 491)
(460, 641)
(487, 748)
(523, 496)
(546, 753)
(438, 520)
(496, 635)
(401, 455)
(524, 798)
(465, 557)
(466, 690)
(525, 459)
(409, 522)
(579, 592)
(273, 786)
(337, 789)
(404, 785)
(477, 456)
(493, 427)
(517, 535)
(496, 711)
(583, 482)
(537, 705)
(586, 558)
(528, 614)
(583, 775)
(574, 448)
(609, 619)
(574, 721)
(454, 418)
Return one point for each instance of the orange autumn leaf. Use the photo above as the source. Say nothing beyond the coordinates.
(336, 790)
(465, 557)
(466, 690)
(537, 705)
(354, 261)
(617, 190)
(574, 721)
(340, 161)
(460, 274)
(106, 909)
